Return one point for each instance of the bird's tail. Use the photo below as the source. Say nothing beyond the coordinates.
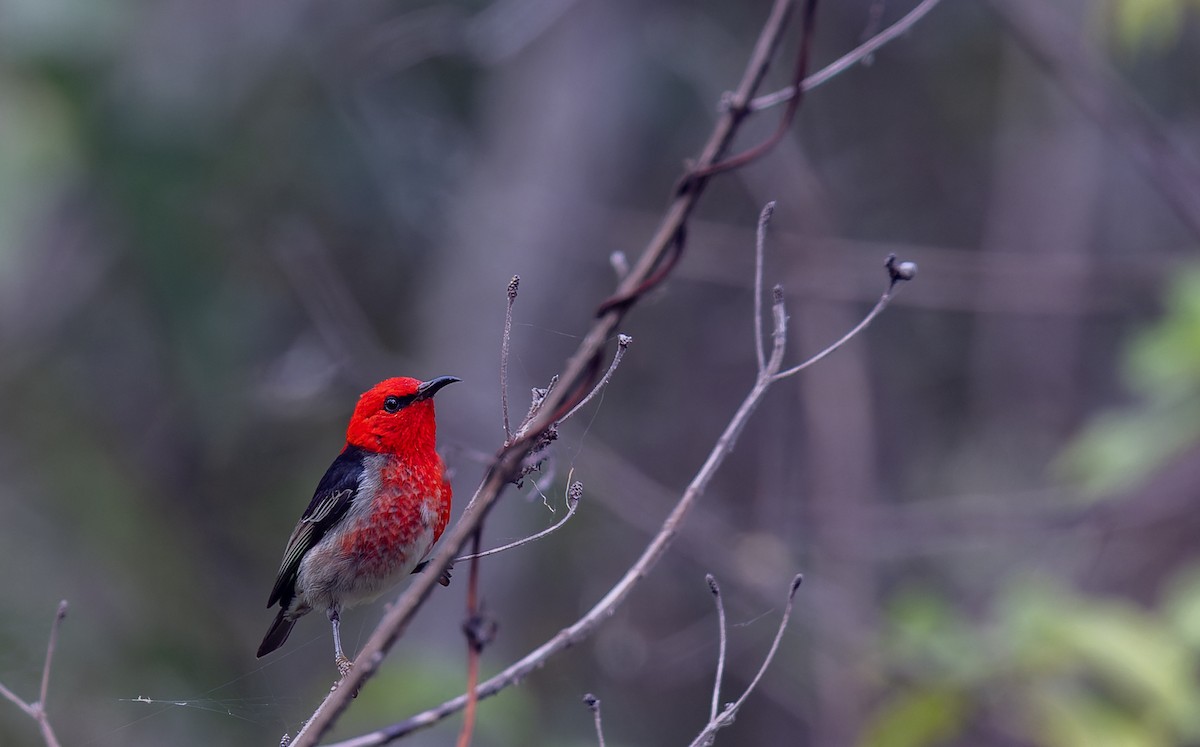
(278, 634)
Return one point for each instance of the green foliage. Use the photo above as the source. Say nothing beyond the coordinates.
(1050, 666)
(1121, 448)
(918, 717)
(1150, 23)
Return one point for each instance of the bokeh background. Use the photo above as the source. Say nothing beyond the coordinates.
(221, 220)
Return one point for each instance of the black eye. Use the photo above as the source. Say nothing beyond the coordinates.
(392, 403)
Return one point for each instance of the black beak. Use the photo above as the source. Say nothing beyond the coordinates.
(429, 388)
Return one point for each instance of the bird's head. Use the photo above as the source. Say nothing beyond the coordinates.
(396, 416)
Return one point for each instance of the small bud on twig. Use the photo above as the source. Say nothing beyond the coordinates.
(900, 271)
(574, 493)
(620, 264)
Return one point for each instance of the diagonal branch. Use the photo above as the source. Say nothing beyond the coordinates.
(575, 382)
(846, 61)
(654, 551)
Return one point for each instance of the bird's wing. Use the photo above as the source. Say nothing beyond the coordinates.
(332, 499)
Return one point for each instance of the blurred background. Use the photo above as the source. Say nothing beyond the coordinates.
(220, 221)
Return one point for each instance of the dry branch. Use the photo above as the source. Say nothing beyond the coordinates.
(576, 380)
(37, 709)
(767, 374)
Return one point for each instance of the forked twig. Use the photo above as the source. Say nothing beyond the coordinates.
(709, 734)
(579, 371)
(37, 709)
(846, 61)
(897, 272)
(654, 551)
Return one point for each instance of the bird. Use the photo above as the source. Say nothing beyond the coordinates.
(377, 512)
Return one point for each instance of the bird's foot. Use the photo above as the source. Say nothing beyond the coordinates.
(443, 579)
(344, 665)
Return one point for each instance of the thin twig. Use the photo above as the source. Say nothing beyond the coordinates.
(726, 717)
(50, 646)
(593, 704)
(896, 274)
(574, 493)
(16, 700)
(576, 377)
(513, 285)
(808, 24)
(603, 609)
(760, 241)
(474, 646)
(622, 345)
(848, 60)
(37, 710)
(722, 644)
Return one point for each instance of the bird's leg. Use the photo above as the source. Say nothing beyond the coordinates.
(339, 658)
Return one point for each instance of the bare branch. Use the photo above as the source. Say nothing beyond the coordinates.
(593, 704)
(741, 106)
(37, 710)
(574, 493)
(722, 644)
(10, 695)
(896, 273)
(50, 646)
(726, 717)
(578, 374)
(759, 244)
(603, 609)
(513, 285)
(475, 642)
(622, 345)
(848, 60)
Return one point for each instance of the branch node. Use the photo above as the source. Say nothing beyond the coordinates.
(480, 630)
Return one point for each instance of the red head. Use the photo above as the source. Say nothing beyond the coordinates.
(396, 416)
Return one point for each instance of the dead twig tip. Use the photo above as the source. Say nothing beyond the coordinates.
(712, 584)
(799, 579)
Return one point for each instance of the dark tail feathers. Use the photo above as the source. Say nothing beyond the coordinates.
(277, 635)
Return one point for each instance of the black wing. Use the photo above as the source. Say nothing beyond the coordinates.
(335, 493)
